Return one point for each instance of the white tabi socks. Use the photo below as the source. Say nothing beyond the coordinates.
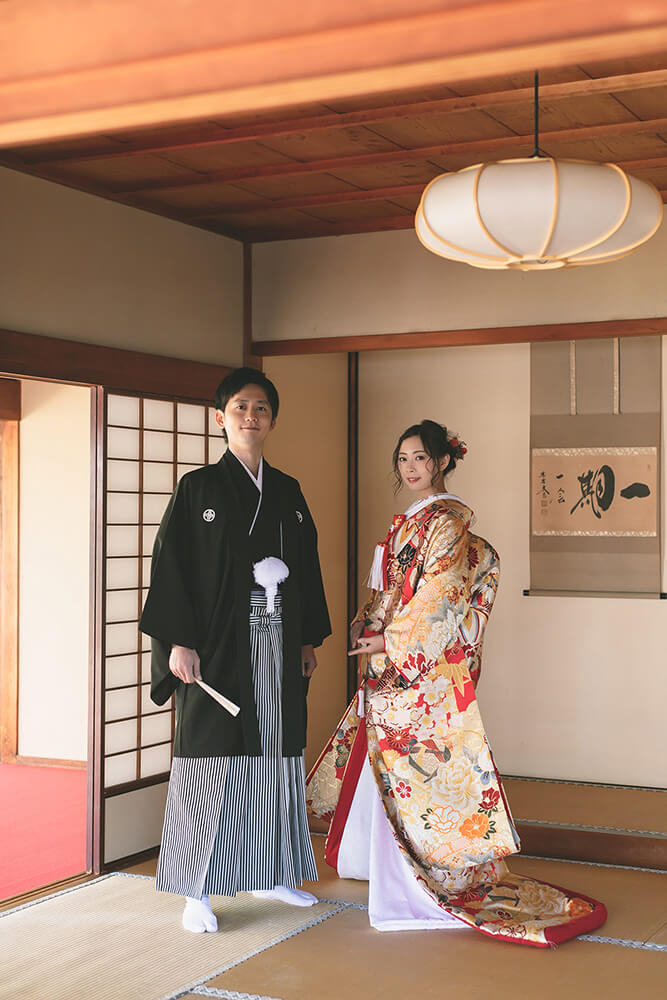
(198, 916)
(295, 897)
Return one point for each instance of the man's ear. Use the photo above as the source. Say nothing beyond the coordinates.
(219, 418)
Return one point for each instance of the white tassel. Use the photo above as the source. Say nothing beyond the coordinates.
(375, 581)
(269, 573)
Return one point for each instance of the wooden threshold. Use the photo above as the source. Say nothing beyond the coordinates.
(46, 890)
(465, 338)
(33, 356)
(72, 765)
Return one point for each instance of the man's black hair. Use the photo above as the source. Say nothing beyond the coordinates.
(234, 382)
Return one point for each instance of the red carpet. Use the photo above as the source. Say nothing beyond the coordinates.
(42, 826)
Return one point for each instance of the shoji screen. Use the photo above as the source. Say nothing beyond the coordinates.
(150, 444)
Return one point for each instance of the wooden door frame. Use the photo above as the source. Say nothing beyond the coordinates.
(102, 370)
(10, 415)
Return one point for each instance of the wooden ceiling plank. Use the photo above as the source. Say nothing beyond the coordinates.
(358, 211)
(510, 146)
(628, 82)
(310, 201)
(288, 187)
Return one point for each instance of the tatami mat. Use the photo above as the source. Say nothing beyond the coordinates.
(115, 938)
(346, 958)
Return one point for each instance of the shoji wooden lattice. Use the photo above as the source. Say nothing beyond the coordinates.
(150, 444)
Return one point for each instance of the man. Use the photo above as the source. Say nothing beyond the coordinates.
(232, 533)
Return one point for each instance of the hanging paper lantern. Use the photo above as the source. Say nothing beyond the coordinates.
(537, 213)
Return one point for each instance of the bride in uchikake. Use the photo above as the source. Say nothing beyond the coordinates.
(407, 782)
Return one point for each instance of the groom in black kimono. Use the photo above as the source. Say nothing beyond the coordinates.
(235, 817)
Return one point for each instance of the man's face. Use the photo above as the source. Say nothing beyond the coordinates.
(247, 418)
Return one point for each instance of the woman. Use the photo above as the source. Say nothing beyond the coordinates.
(407, 781)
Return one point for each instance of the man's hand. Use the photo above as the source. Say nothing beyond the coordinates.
(308, 661)
(184, 663)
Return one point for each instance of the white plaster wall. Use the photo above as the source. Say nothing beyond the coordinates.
(54, 590)
(388, 283)
(571, 687)
(78, 267)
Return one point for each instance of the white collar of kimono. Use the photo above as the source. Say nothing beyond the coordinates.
(257, 480)
(418, 505)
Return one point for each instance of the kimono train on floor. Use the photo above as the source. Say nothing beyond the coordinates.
(407, 781)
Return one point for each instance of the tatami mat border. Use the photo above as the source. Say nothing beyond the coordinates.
(582, 784)
(623, 942)
(593, 864)
(211, 991)
(594, 829)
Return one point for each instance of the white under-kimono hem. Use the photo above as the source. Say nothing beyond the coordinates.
(368, 850)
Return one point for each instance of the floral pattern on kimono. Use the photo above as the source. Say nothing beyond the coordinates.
(426, 741)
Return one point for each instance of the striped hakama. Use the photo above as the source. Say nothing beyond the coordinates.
(236, 824)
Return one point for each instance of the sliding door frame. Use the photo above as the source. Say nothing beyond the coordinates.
(103, 370)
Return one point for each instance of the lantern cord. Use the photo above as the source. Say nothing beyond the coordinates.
(536, 148)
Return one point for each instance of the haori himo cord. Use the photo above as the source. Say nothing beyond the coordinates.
(236, 599)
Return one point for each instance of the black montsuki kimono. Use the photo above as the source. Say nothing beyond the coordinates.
(200, 595)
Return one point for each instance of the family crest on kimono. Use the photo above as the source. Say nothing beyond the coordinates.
(407, 782)
(236, 599)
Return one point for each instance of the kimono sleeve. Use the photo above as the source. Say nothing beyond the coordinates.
(423, 628)
(314, 611)
(168, 615)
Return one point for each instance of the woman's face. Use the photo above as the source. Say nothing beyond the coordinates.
(416, 468)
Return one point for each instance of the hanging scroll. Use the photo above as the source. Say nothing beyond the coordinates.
(595, 472)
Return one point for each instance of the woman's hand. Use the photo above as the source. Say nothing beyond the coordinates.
(356, 628)
(184, 663)
(367, 644)
(308, 661)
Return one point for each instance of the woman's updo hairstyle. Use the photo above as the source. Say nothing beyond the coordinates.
(438, 442)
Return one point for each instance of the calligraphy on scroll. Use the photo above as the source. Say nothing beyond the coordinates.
(595, 491)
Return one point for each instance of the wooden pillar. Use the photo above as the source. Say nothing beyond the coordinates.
(352, 504)
(10, 414)
(249, 358)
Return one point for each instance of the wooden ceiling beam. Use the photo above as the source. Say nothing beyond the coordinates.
(348, 227)
(203, 60)
(369, 116)
(510, 145)
(547, 333)
(305, 201)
